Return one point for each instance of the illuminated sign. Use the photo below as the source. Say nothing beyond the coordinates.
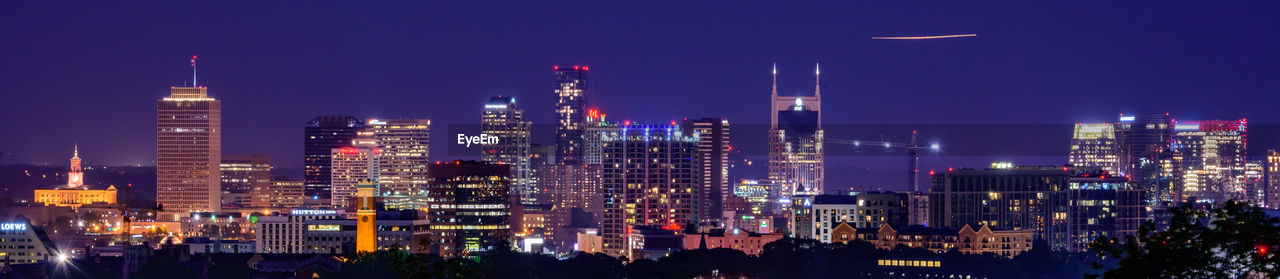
(482, 139)
(324, 228)
(313, 212)
(13, 227)
(1186, 127)
(1127, 118)
(1002, 165)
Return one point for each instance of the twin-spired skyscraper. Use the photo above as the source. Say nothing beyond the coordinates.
(795, 142)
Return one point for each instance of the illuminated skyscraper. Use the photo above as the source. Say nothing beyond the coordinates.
(405, 154)
(470, 209)
(189, 151)
(1145, 156)
(1272, 179)
(713, 153)
(1094, 145)
(596, 130)
(504, 120)
(650, 178)
(988, 197)
(245, 179)
(351, 165)
(1209, 159)
(796, 142)
(320, 136)
(571, 109)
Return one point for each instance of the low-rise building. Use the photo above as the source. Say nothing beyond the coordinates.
(24, 243)
(1007, 243)
(748, 242)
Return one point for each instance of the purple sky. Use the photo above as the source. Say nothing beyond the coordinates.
(90, 73)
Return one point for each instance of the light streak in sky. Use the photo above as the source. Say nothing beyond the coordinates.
(925, 37)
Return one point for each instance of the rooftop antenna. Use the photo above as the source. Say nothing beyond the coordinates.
(193, 71)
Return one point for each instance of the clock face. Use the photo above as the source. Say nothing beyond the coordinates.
(364, 218)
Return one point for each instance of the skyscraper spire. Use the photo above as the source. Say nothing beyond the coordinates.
(817, 84)
(775, 79)
(193, 71)
(76, 153)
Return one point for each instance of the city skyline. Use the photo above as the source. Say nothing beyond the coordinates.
(868, 82)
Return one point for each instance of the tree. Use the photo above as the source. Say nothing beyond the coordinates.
(1234, 241)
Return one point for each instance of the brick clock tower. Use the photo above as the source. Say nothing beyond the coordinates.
(366, 217)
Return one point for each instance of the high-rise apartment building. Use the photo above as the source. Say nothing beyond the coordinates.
(351, 165)
(245, 179)
(650, 178)
(574, 193)
(469, 208)
(405, 147)
(505, 121)
(713, 153)
(1094, 145)
(571, 110)
(189, 151)
(1209, 159)
(796, 142)
(320, 136)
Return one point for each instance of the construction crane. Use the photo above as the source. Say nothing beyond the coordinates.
(913, 154)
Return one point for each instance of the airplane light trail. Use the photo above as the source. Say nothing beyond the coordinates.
(925, 37)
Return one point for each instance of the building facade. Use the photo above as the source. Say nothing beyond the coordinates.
(405, 147)
(246, 179)
(1012, 198)
(597, 128)
(1146, 157)
(469, 206)
(353, 164)
(749, 243)
(286, 233)
(650, 178)
(189, 151)
(571, 110)
(713, 156)
(574, 192)
(1094, 145)
(285, 194)
(320, 136)
(1006, 243)
(1102, 206)
(1272, 179)
(1209, 159)
(25, 243)
(501, 118)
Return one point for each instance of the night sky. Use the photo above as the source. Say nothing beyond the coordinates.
(90, 73)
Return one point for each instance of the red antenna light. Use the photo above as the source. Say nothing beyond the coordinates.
(575, 67)
(584, 68)
(556, 67)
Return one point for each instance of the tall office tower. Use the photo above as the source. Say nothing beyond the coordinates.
(1209, 158)
(402, 174)
(320, 136)
(574, 193)
(470, 209)
(713, 154)
(1145, 155)
(504, 120)
(571, 109)
(189, 151)
(1094, 145)
(1272, 178)
(1005, 198)
(597, 128)
(795, 142)
(245, 179)
(650, 178)
(1101, 206)
(353, 164)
